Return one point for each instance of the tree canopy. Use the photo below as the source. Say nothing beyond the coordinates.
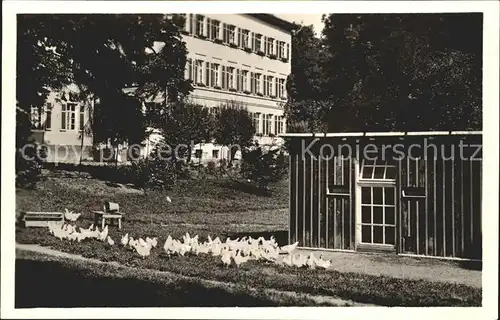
(101, 54)
(374, 72)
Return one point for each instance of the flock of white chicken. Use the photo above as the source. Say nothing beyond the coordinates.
(231, 252)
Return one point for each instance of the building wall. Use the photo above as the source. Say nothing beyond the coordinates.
(63, 140)
(435, 206)
(272, 62)
(204, 49)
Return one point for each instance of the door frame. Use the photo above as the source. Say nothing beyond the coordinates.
(358, 184)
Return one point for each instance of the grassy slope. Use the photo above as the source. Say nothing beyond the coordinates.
(194, 202)
(79, 283)
(357, 287)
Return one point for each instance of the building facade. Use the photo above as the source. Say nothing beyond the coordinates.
(408, 193)
(241, 59)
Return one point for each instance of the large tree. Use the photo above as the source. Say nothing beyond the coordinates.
(233, 128)
(400, 72)
(185, 125)
(307, 79)
(101, 54)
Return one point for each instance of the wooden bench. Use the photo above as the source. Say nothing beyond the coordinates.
(103, 216)
(41, 219)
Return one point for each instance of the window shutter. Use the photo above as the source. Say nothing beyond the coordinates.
(63, 116)
(207, 74)
(238, 84)
(192, 21)
(261, 80)
(206, 25)
(187, 24)
(221, 30)
(252, 84)
(224, 80)
(288, 51)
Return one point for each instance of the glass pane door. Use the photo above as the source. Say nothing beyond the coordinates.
(378, 215)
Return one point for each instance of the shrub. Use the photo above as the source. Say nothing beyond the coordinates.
(29, 166)
(158, 174)
(211, 167)
(263, 167)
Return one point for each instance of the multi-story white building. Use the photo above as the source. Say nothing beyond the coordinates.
(232, 58)
(242, 58)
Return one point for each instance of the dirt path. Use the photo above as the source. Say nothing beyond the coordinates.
(271, 294)
(401, 267)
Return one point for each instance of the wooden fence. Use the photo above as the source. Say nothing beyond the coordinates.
(438, 194)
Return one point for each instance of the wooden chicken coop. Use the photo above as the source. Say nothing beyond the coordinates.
(413, 193)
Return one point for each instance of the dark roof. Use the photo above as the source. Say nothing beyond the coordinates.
(274, 20)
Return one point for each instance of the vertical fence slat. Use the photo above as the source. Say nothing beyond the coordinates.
(304, 201)
(453, 205)
(311, 185)
(426, 168)
(462, 205)
(444, 205)
(334, 229)
(408, 210)
(290, 200)
(434, 203)
(342, 205)
(327, 207)
(319, 201)
(351, 209)
(296, 238)
(399, 202)
(471, 192)
(417, 212)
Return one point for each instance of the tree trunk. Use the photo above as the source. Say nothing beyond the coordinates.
(81, 151)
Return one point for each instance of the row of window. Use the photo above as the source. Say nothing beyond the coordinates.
(268, 124)
(41, 117)
(219, 76)
(207, 28)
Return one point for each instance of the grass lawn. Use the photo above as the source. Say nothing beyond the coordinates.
(213, 207)
(77, 283)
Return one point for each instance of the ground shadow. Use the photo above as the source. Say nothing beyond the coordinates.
(49, 284)
(247, 188)
(280, 235)
(471, 265)
(112, 184)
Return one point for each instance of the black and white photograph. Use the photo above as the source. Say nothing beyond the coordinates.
(197, 156)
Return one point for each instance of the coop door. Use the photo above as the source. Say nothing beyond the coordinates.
(375, 204)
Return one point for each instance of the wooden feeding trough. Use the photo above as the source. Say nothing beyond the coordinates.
(41, 219)
(111, 212)
(410, 193)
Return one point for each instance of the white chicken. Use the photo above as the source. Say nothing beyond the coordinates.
(103, 234)
(143, 251)
(152, 241)
(288, 260)
(299, 260)
(239, 259)
(132, 243)
(289, 248)
(124, 240)
(311, 261)
(226, 257)
(323, 264)
(168, 245)
(70, 216)
(110, 241)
